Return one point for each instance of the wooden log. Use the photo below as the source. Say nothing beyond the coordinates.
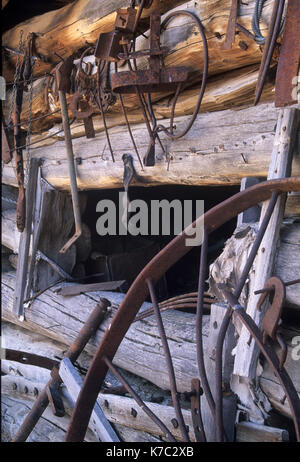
(228, 266)
(251, 432)
(140, 351)
(68, 29)
(220, 149)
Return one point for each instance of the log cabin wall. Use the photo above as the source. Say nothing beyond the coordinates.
(230, 140)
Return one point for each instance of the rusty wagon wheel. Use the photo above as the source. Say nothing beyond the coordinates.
(144, 285)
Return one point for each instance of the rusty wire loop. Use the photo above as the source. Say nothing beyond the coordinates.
(198, 23)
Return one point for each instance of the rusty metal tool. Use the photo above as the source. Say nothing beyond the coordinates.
(270, 322)
(289, 58)
(139, 291)
(230, 33)
(25, 357)
(169, 362)
(63, 72)
(87, 331)
(291, 393)
(196, 411)
(269, 47)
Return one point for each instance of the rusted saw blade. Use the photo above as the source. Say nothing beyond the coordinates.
(289, 59)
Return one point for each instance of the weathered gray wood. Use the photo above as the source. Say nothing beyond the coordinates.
(280, 167)
(73, 382)
(221, 148)
(39, 215)
(253, 213)
(229, 402)
(25, 239)
(228, 266)
(253, 433)
(61, 318)
(67, 290)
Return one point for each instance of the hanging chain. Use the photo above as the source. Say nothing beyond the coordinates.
(29, 124)
(14, 90)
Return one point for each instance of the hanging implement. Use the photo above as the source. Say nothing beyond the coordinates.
(63, 73)
(289, 59)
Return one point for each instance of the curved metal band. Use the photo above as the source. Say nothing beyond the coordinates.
(138, 291)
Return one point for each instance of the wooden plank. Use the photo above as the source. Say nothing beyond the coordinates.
(73, 382)
(76, 289)
(280, 167)
(229, 402)
(253, 433)
(220, 149)
(25, 239)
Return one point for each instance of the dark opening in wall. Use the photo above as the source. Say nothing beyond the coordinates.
(123, 257)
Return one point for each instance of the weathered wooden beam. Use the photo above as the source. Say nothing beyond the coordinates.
(73, 382)
(70, 28)
(220, 149)
(253, 433)
(280, 167)
(139, 353)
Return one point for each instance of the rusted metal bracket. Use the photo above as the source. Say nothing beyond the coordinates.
(230, 33)
(271, 320)
(196, 411)
(289, 58)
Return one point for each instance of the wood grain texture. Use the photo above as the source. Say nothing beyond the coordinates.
(220, 149)
(141, 351)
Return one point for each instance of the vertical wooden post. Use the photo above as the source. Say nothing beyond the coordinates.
(280, 167)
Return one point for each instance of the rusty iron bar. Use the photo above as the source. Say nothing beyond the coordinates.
(88, 330)
(196, 411)
(138, 400)
(227, 317)
(291, 393)
(230, 33)
(25, 357)
(269, 47)
(168, 358)
(138, 292)
(289, 283)
(288, 64)
(72, 172)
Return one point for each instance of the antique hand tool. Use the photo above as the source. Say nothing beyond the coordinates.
(230, 33)
(63, 72)
(269, 47)
(272, 317)
(289, 58)
(25, 73)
